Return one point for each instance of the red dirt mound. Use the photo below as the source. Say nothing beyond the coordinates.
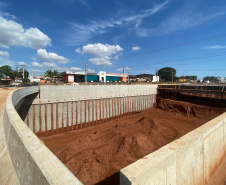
(190, 110)
(96, 154)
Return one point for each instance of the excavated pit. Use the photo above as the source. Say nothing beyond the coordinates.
(96, 154)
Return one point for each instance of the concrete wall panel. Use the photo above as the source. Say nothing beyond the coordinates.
(191, 159)
(51, 93)
(190, 162)
(213, 152)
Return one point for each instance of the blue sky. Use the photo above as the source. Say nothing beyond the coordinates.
(188, 35)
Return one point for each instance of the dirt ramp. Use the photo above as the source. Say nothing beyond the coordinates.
(190, 110)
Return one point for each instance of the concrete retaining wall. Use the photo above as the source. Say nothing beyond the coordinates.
(33, 162)
(66, 116)
(54, 93)
(191, 159)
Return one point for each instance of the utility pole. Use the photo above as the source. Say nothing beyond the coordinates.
(172, 76)
(157, 74)
(128, 74)
(23, 66)
(85, 73)
(17, 69)
(31, 79)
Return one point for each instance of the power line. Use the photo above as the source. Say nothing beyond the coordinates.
(206, 70)
(182, 60)
(176, 45)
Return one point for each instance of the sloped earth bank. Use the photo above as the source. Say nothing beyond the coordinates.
(96, 154)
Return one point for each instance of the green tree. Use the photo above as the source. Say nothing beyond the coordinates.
(6, 71)
(166, 73)
(55, 73)
(189, 77)
(212, 79)
(49, 73)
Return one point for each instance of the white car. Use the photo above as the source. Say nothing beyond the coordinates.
(16, 83)
(75, 84)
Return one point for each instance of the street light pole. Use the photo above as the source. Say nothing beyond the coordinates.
(85, 73)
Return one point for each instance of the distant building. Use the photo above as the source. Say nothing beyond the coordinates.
(155, 79)
(5, 81)
(36, 78)
(102, 76)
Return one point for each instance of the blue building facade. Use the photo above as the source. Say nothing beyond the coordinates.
(90, 78)
(112, 78)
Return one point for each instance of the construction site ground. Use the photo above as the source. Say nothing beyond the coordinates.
(96, 154)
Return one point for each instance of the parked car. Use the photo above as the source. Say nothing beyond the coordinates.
(16, 83)
(75, 84)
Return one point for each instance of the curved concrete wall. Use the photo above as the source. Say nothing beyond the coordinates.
(33, 162)
(191, 159)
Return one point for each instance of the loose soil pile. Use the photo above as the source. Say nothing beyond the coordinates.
(190, 110)
(96, 154)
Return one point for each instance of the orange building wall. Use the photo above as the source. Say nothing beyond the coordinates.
(66, 78)
(42, 81)
(123, 79)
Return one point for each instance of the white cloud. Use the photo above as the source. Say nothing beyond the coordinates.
(4, 61)
(91, 70)
(38, 71)
(102, 53)
(215, 47)
(183, 20)
(137, 19)
(36, 64)
(136, 48)
(4, 53)
(7, 15)
(49, 65)
(185, 17)
(83, 33)
(44, 56)
(100, 50)
(13, 34)
(53, 66)
(21, 63)
(78, 50)
(76, 68)
(125, 69)
(103, 61)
